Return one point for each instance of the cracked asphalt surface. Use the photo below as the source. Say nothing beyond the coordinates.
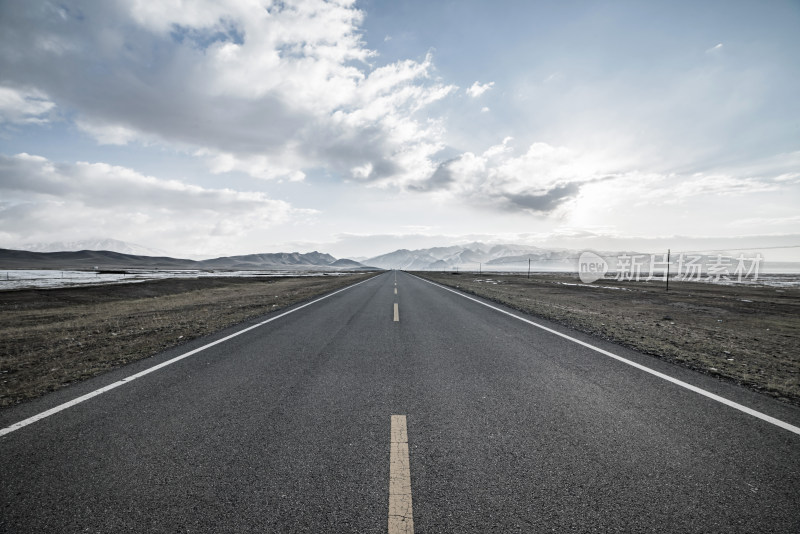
(286, 428)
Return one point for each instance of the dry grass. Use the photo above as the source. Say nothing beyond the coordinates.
(747, 334)
(51, 338)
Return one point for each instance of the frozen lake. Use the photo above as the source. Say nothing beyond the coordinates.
(27, 279)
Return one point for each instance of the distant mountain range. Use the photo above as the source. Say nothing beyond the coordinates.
(111, 245)
(469, 257)
(477, 255)
(116, 254)
(108, 260)
(510, 257)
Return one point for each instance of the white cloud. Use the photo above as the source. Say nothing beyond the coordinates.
(558, 181)
(48, 200)
(24, 107)
(161, 16)
(278, 90)
(106, 134)
(717, 184)
(477, 89)
(540, 180)
(675, 189)
(792, 221)
(255, 165)
(271, 89)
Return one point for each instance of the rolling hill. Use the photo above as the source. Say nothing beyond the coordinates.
(105, 260)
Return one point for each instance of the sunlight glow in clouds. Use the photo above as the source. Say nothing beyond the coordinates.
(336, 107)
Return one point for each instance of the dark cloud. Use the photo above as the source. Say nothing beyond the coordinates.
(481, 181)
(441, 178)
(542, 202)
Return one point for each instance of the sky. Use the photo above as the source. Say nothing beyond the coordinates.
(217, 127)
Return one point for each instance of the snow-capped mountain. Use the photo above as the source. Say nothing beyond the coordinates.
(473, 255)
(111, 245)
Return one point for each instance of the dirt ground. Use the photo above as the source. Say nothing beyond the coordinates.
(747, 334)
(52, 337)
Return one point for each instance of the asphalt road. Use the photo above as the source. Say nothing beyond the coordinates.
(288, 427)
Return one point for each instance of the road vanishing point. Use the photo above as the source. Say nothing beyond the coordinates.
(397, 405)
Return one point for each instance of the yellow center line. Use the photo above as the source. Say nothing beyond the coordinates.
(396, 313)
(401, 517)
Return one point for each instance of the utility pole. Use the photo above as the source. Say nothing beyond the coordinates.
(668, 252)
(480, 267)
(529, 267)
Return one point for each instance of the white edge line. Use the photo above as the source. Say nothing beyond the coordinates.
(127, 379)
(723, 400)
